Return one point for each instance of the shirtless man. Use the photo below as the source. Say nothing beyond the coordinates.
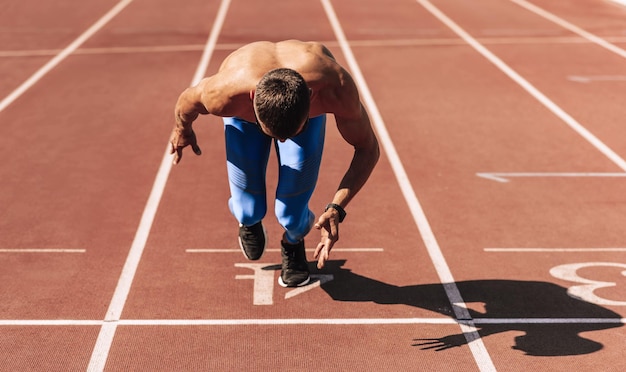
(280, 93)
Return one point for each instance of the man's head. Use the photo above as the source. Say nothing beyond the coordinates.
(281, 102)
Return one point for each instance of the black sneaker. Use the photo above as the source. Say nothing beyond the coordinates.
(252, 240)
(295, 270)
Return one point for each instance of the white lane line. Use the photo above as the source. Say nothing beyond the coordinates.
(504, 177)
(476, 345)
(365, 321)
(109, 50)
(41, 250)
(534, 92)
(63, 54)
(403, 180)
(107, 332)
(228, 250)
(305, 321)
(353, 44)
(550, 321)
(360, 43)
(586, 79)
(564, 250)
(48, 322)
(573, 28)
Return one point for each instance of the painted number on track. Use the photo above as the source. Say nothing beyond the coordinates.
(585, 291)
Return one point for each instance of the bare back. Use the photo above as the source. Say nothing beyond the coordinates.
(227, 93)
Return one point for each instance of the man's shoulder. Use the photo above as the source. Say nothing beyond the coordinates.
(225, 94)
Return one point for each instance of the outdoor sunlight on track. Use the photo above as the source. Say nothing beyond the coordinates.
(490, 236)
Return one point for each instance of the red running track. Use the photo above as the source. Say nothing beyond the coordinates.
(490, 236)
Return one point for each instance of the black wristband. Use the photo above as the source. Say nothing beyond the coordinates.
(337, 207)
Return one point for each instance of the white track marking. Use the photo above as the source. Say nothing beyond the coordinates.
(366, 321)
(305, 321)
(63, 54)
(229, 250)
(586, 79)
(534, 92)
(41, 250)
(575, 29)
(563, 250)
(584, 287)
(359, 43)
(396, 164)
(107, 332)
(110, 50)
(550, 321)
(504, 177)
(475, 343)
(49, 322)
(356, 43)
(316, 281)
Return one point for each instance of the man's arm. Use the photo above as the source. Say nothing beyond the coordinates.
(360, 135)
(355, 127)
(188, 107)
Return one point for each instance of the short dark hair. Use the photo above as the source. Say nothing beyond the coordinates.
(282, 101)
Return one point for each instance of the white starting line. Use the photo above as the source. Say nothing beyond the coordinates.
(307, 321)
(41, 250)
(232, 250)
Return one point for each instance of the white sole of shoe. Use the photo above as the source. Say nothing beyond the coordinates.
(303, 283)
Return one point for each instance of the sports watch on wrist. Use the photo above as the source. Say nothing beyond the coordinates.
(337, 207)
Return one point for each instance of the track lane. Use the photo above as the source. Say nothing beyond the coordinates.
(604, 18)
(221, 303)
(471, 116)
(444, 172)
(79, 178)
(212, 288)
(539, 216)
(206, 223)
(52, 63)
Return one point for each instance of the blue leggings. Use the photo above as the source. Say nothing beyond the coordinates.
(299, 158)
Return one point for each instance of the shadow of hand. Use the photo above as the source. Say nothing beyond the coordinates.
(439, 344)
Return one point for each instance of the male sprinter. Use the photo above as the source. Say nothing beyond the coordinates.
(280, 93)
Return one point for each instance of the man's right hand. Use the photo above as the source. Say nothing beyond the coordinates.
(180, 139)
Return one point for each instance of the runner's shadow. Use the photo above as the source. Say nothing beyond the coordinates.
(496, 299)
